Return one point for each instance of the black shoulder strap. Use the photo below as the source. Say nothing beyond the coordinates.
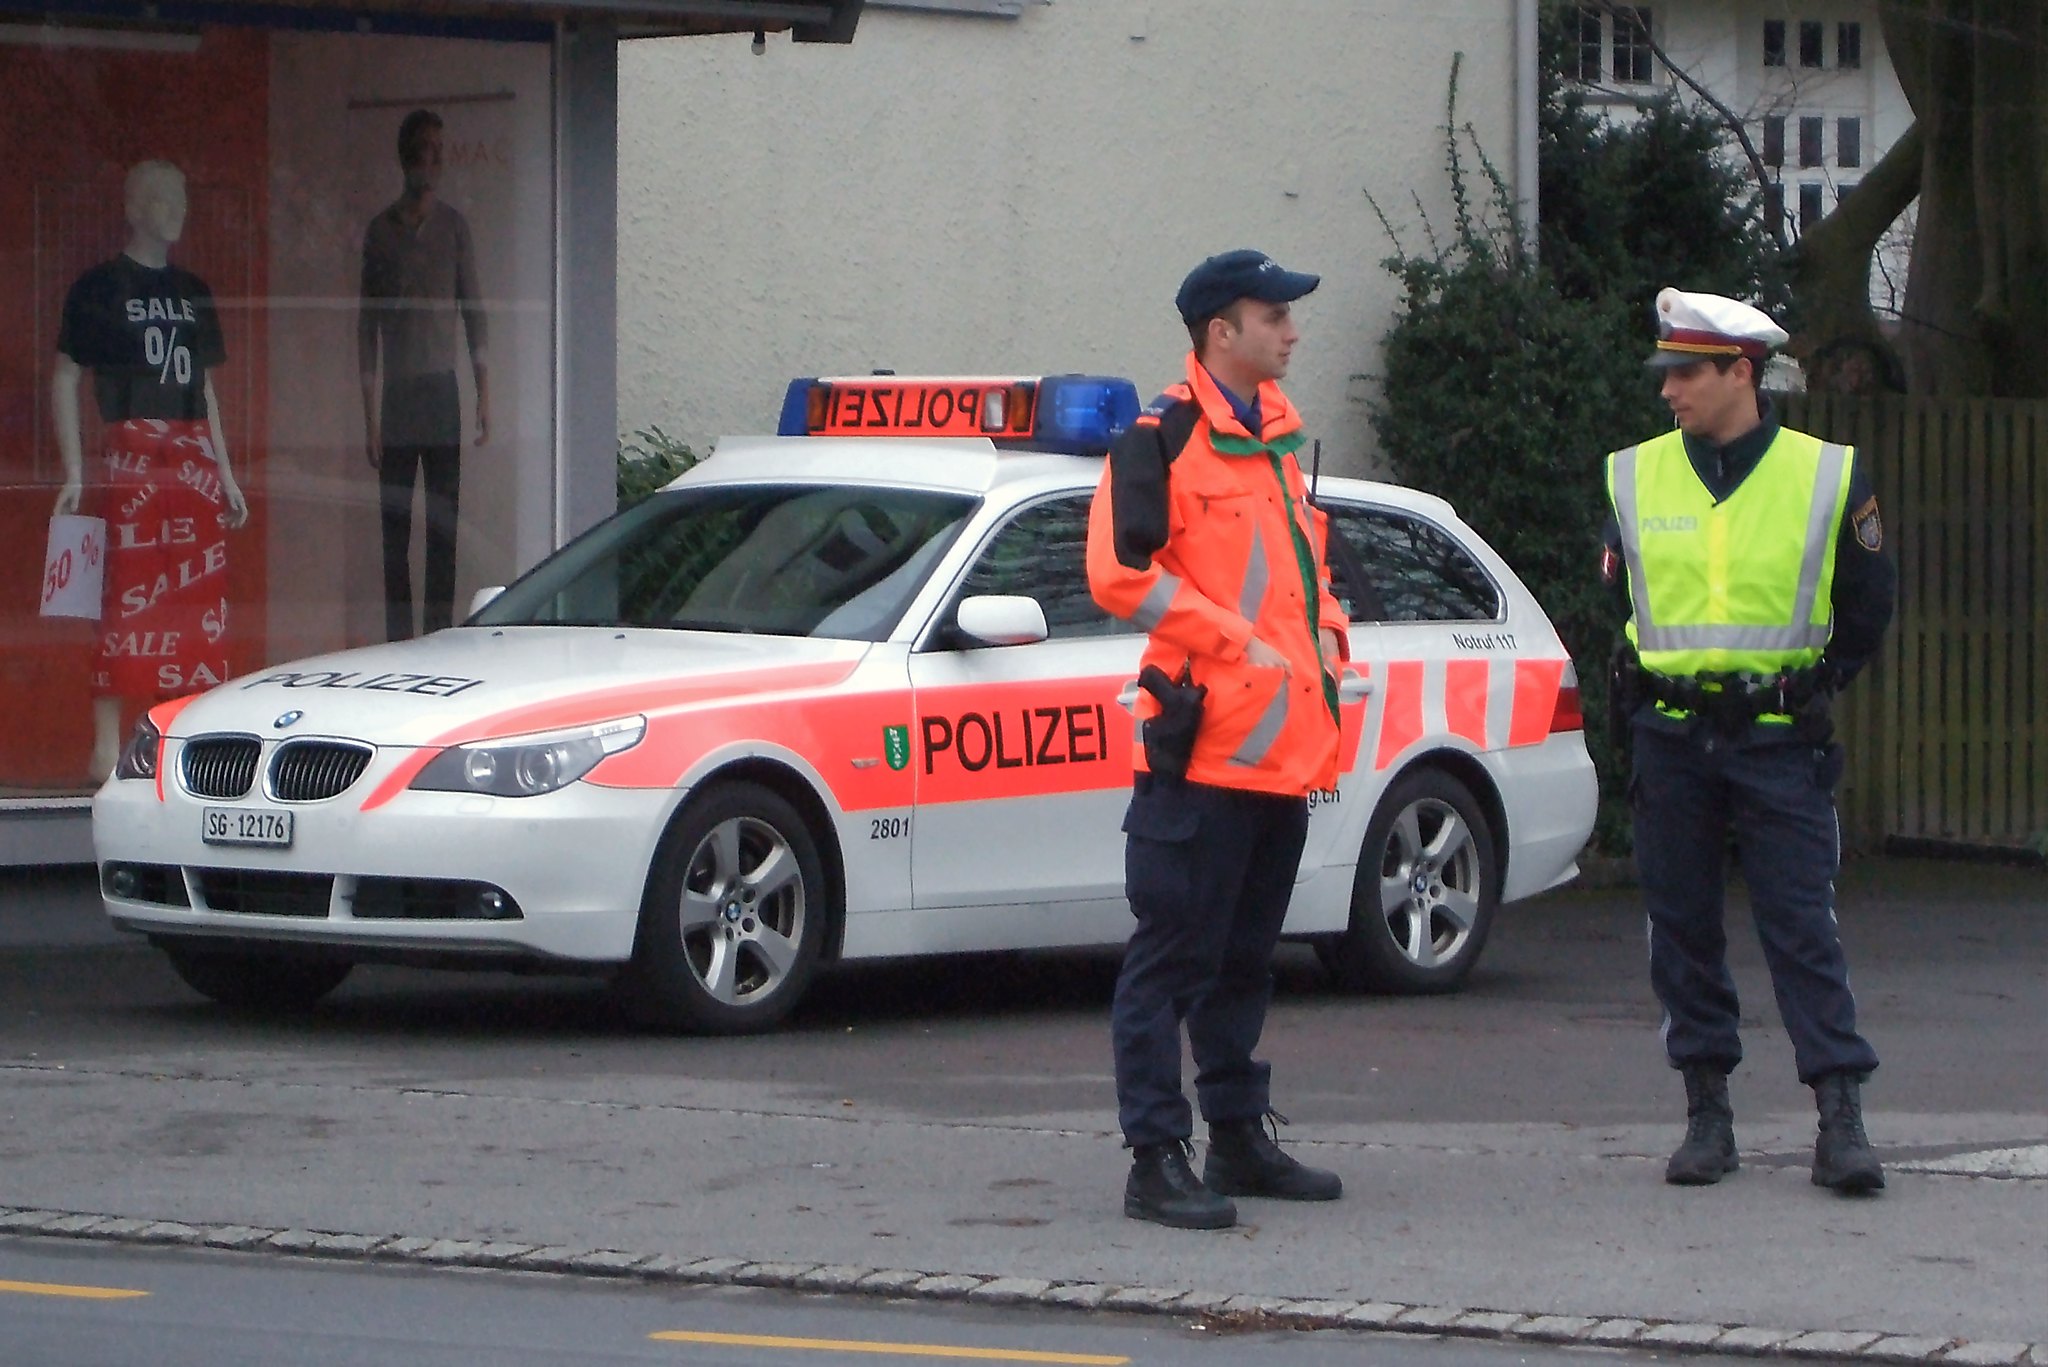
(1138, 463)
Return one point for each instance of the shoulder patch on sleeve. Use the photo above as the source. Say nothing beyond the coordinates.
(1610, 565)
(1869, 530)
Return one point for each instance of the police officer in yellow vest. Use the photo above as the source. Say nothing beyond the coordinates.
(1753, 562)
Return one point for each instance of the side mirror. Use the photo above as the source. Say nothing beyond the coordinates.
(1001, 619)
(481, 599)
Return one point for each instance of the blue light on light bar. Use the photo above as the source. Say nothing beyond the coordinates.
(1082, 414)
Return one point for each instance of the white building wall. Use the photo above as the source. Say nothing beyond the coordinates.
(977, 194)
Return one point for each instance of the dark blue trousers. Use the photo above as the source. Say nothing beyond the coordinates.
(1209, 872)
(1691, 791)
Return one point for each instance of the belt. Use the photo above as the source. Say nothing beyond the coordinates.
(1733, 699)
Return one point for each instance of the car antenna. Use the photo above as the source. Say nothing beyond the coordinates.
(1315, 472)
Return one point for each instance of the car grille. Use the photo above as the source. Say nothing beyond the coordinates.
(220, 766)
(260, 892)
(314, 770)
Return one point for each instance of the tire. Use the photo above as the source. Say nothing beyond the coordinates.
(1427, 887)
(256, 980)
(734, 918)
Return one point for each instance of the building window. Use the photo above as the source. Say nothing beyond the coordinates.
(1810, 31)
(1632, 53)
(1809, 141)
(1848, 142)
(1774, 42)
(1774, 140)
(1809, 206)
(1849, 46)
(1591, 48)
(1845, 189)
(1774, 209)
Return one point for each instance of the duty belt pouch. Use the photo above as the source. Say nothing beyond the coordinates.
(1170, 736)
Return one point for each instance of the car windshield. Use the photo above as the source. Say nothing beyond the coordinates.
(785, 560)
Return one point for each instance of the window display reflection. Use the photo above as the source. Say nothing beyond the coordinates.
(256, 277)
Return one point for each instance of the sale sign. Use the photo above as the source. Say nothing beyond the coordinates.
(74, 566)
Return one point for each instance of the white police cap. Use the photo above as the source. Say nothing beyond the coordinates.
(1700, 327)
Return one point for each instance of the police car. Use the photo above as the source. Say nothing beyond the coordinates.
(832, 695)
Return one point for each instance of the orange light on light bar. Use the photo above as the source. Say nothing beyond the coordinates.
(893, 407)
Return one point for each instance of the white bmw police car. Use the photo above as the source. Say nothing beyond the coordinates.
(833, 695)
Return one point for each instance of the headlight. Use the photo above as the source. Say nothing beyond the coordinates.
(528, 765)
(138, 757)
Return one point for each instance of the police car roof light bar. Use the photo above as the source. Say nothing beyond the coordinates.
(1074, 414)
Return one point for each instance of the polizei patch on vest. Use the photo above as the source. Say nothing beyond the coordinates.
(1869, 531)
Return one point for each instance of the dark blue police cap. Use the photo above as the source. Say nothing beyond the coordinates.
(1224, 279)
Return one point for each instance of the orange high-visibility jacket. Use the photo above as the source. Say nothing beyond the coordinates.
(1242, 554)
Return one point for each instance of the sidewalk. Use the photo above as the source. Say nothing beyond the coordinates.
(791, 1163)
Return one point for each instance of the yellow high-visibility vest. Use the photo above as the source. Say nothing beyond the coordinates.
(1743, 586)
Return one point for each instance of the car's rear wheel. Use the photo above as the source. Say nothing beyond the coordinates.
(256, 980)
(734, 917)
(1427, 887)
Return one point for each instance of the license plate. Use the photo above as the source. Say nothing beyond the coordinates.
(246, 826)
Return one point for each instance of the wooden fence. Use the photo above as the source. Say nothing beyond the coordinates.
(1948, 729)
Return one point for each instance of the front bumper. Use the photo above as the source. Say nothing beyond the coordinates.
(408, 878)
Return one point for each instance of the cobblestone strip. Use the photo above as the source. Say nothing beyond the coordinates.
(1203, 1306)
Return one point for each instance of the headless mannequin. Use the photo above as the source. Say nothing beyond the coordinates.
(155, 204)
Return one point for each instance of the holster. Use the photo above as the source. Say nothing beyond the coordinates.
(1624, 693)
(1170, 735)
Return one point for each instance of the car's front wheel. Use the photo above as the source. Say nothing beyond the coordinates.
(734, 918)
(256, 980)
(1428, 883)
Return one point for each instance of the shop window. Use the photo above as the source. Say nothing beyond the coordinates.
(1810, 210)
(1413, 570)
(303, 382)
(1849, 45)
(1774, 42)
(1774, 140)
(1811, 131)
(1811, 32)
(1848, 142)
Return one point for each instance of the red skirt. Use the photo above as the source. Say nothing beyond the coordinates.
(164, 623)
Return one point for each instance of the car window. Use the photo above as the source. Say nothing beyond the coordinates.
(785, 560)
(1395, 567)
(1042, 553)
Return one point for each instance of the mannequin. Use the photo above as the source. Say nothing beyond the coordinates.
(149, 334)
(419, 283)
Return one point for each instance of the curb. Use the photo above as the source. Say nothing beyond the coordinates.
(1211, 1309)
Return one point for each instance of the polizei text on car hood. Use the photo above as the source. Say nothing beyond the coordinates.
(482, 682)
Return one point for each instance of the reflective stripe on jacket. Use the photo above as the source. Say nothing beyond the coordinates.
(1741, 586)
(1243, 556)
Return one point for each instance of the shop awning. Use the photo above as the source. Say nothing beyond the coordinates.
(807, 21)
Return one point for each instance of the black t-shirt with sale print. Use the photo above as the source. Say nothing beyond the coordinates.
(148, 334)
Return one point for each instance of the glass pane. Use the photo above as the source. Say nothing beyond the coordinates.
(1589, 42)
(780, 560)
(1042, 553)
(1810, 31)
(1774, 140)
(1849, 142)
(1810, 210)
(1774, 42)
(1810, 131)
(1774, 208)
(1849, 45)
(1417, 571)
(303, 380)
(1632, 43)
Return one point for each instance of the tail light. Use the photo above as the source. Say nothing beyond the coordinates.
(1570, 714)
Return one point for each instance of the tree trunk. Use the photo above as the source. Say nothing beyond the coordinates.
(1837, 338)
(1976, 75)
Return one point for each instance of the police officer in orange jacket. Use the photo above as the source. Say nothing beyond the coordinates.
(1202, 533)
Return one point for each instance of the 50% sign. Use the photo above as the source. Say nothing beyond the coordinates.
(74, 566)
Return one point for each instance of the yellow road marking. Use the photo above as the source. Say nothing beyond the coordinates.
(89, 1293)
(922, 1350)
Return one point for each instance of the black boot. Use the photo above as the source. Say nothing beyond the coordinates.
(1244, 1160)
(1708, 1153)
(1842, 1157)
(1162, 1188)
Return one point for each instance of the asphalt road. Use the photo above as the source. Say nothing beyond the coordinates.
(100, 1305)
(1502, 1147)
